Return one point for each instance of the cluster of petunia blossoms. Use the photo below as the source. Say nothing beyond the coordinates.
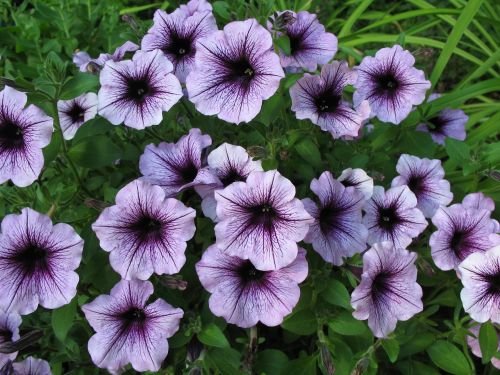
(254, 268)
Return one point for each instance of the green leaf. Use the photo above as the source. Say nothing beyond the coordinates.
(391, 347)
(212, 335)
(95, 152)
(270, 361)
(301, 366)
(308, 150)
(458, 151)
(302, 322)
(336, 294)
(221, 8)
(62, 319)
(488, 341)
(226, 360)
(347, 325)
(78, 85)
(447, 357)
(283, 43)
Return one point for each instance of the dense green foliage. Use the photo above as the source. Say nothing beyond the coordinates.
(455, 42)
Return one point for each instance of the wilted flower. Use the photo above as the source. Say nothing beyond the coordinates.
(235, 70)
(83, 60)
(425, 178)
(390, 83)
(176, 35)
(37, 262)
(32, 366)
(310, 44)
(388, 290)
(480, 275)
(473, 342)
(461, 231)
(447, 123)
(128, 330)
(261, 220)
(244, 295)
(23, 134)
(75, 112)
(229, 163)
(177, 166)
(194, 6)
(145, 232)
(9, 331)
(319, 99)
(137, 92)
(358, 179)
(337, 231)
(393, 216)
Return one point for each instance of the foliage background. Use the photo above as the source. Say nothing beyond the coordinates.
(455, 42)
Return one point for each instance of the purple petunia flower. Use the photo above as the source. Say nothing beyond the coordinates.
(388, 290)
(32, 366)
(447, 123)
(358, 179)
(23, 134)
(82, 59)
(319, 98)
(37, 262)
(244, 295)
(461, 231)
(425, 178)
(177, 166)
(261, 220)
(137, 91)
(337, 231)
(176, 35)
(195, 6)
(479, 201)
(128, 330)
(480, 273)
(235, 70)
(473, 342)
(310, 44)
(75, 112)
(9, 331)
(390, 83)
(229, 163)
(393, 216)
(145, 232)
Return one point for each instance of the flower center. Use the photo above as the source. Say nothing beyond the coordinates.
(180, 46)
(263, 214)
(32, 258)
(295, 43)
(387, 83)
(328, 102)
(5, 335)
(493, 283)
(388, 218)
(134, 315)
(416, 184)
(249, 273)
(11, 135)
(242, 69)
(231, 176)
(328, 218)
(457, 243)
(76, 113)
(188, 172)
(436, 123)
(147, 226)
(138, 89)
(381, 283)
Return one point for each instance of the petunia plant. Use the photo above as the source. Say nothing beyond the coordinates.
(249, 187)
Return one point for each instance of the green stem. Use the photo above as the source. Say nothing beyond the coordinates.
(189, 113)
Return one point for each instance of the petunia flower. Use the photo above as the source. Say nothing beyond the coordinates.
(145, 232)
(9, 332)
(479, 201)
(23, 134)
(177, 166)
(137, 92)
(128, 330)
(235, 70)
(425, 178)
(32, 366)
(461, 231)
(176, 35)
(261, 220)
(319, 99)
(393, 216)
(75, 112)
(337, 231)
(195, 6)
(82, 59)
(244, 295)
(310, 44)
(229, 163)
(480, 274)
(390, 83)
(473, 342)
(358, 179)
(388, 290)
(447, 123)
(37, 262)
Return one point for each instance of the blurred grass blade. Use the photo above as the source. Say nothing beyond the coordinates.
(346, 29)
